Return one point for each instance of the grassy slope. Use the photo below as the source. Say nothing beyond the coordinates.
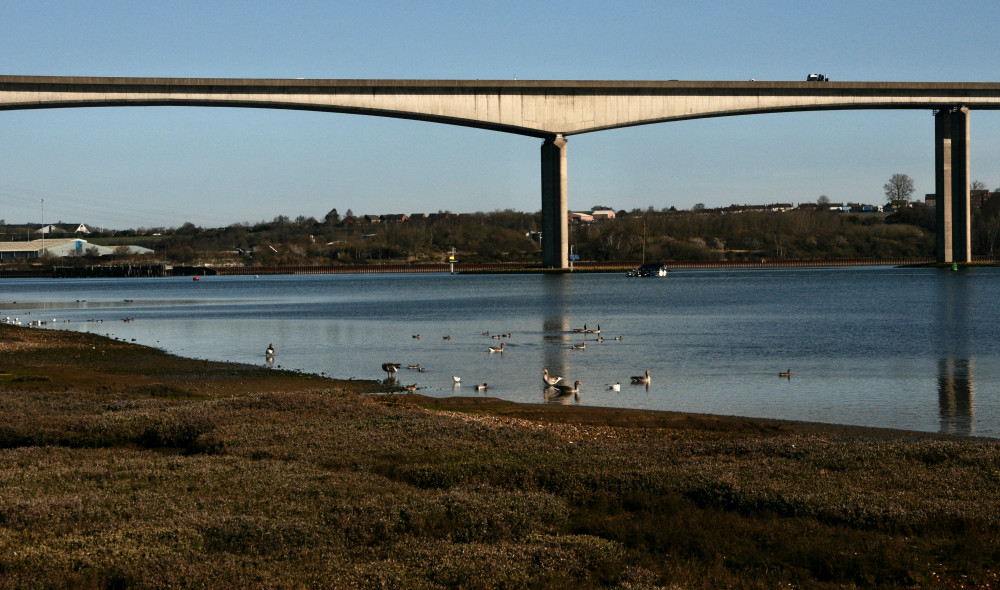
(123, 466)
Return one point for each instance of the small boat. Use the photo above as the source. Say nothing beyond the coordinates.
(652, 269)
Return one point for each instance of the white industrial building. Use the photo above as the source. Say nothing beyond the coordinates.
(62, 247)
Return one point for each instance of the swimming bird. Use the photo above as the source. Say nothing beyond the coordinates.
(641, 379)
(787, 374)
(270, 351)
(497, 348)
(618, 337)
(595, 331)
(564, 389)
(448, 337)
(481, 387)
(580, 330)
(458, 380)
(550, 379)
(413, 366)
(581, 346)
(417, 336)
(615, 386)
(390, 368)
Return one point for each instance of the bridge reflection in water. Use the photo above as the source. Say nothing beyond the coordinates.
(956, 396)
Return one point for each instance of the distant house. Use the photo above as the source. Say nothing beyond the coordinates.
(578, 217)
(780, 207)
(930, 199)
(394, 218)
(418, 216)
(350, 220)
(372, 219)
(600, 214)
(62, 229)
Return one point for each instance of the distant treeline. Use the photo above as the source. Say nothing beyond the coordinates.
(512, 236)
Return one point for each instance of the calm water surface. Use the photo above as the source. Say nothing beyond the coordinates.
(903, 348)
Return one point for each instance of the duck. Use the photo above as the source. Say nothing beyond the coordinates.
(448, 337)
(618, 338)
(615, 386)
(481, 387)
(417, 336)
(390, 368)
(581, 346)
(493, 349)
(550, 379)
(641, 379)
(565, 389)
(787, 374)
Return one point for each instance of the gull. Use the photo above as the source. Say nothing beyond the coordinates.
(550, 379)
(640, 379)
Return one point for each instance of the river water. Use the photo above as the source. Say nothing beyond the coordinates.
(910, 348)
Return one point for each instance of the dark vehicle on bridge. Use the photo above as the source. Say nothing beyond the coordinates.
(653, 269)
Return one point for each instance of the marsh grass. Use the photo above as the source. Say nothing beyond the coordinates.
(198, 474)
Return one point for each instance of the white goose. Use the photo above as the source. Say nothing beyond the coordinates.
(550, 379)
(641, 379)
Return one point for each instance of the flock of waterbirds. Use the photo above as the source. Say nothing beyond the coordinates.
(554, 384)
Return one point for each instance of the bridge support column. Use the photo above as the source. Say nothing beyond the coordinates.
(555, 218)
(951, 163)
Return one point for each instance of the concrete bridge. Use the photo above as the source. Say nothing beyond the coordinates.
(554, 110)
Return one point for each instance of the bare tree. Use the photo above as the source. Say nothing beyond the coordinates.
(977, 185)
(899, 188)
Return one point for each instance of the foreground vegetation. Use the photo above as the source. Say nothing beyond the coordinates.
(125, 467)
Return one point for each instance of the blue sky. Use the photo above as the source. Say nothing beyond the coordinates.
(163, 166)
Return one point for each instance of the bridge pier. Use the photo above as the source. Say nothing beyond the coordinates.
(951, 184)
(555, 217)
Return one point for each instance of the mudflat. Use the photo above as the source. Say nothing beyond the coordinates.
(123, 466)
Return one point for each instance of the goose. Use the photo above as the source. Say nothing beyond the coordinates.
(458, 380)
(417, 336)
(581, 346)
(412, 387)
(390, 368)
(550, 379)
(481, 387)
(575, 388)
(787, 374)
(270, 351)
(580, 330)
(497, 348)
(446, 337)
(595, 331)
(641, 379)
(413, 366)
(615, 386)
